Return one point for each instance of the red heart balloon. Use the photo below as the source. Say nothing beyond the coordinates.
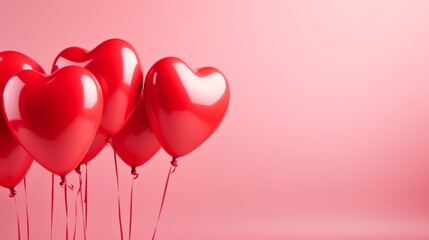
(136, 142)
(184, 107)
(14, 160)
(55, 117)
(117, 68)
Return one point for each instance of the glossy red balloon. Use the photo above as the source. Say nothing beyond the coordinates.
(184, 106)
(117, 68)
(96, 147)
(136, 143)
(55, 117)
(14, 160)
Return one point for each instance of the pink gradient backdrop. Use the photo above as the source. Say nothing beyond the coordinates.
(327, 135)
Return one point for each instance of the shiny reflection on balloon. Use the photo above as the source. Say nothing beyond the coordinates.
(16, 83)
(130, 64)
(89, 88)
(204, 92)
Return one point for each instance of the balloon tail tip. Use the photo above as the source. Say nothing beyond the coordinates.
(77, 170)
(108, 140)
(174, 163)
(63, 180)
(12, 193)
(134, 173)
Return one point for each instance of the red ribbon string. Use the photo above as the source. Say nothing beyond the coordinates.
(173, 166)
(135, 176)
(26, 209)
(86, 198)
(82, 208)
(52, 206)
(131, 209)
(79, 194)
(12, 194)
(119, 199)
(64, 181)
(75, 203)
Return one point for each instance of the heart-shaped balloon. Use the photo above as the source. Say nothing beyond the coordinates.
(117, 68)
(184, 106)
(55, 117)
(136, 142)
(14, 160)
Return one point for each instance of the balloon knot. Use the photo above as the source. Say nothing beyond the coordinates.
(63, 180)
(77, 169)
(174, 163)
(63, 183)
(108, 140)
(134, 173)
(12, 192)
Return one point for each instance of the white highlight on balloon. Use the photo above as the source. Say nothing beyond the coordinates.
(26, 67)
(130, 62)
(155, 75)
(11, 98)
(205, 91)
(63, 62)
(90, 89)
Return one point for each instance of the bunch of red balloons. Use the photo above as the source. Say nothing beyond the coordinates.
(64, 119)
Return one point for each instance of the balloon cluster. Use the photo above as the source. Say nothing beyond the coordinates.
(64, 119)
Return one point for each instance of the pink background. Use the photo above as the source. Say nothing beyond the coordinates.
(327, 135)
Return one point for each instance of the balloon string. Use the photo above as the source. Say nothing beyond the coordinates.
(63, 183)
(75, 204)
(63, 179)
(131, 209)
(86, 197)
(135, 176)
(13, 195)
(173, 167)
(79, 194)
(52, 206)
(119, 199)
(26, 208)
(82, 208)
